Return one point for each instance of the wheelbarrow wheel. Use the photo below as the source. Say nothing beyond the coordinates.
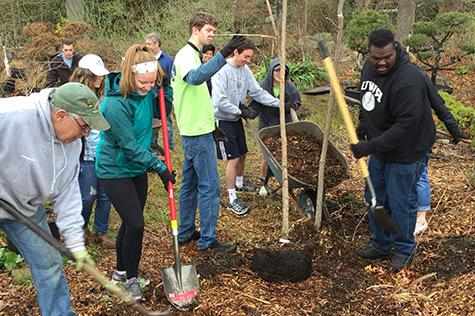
(307, 202)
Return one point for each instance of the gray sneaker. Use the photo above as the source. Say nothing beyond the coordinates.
(132, 286)
(247, 188)
(118, 278)
(238, 207)
(122, 278)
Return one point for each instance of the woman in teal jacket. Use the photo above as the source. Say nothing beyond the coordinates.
(123, 157)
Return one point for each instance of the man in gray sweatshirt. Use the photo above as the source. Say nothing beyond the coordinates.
(231, 85)
(39, 155)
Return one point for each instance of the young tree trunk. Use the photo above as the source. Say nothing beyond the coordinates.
(326, 134)
(405, 18)
(283, 133)
(75, 10)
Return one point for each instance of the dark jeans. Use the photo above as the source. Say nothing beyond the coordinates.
(128, 196)
(396, 189)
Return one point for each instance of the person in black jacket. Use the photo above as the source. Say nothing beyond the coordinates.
(397, 130)
(270, 116)
(423, 185)
(62, 65)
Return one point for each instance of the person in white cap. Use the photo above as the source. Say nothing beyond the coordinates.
(39, 154)
(91, 72)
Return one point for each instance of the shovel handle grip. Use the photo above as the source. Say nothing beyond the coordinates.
(340, 99)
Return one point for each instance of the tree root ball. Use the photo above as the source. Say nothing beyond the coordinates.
(290, 262)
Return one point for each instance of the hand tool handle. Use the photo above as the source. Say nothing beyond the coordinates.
(166, 149)
(340, 99)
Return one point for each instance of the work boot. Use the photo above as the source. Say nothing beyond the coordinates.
(104, 240)
(400, 262)
(132, 286)
(372, 254)
(217, 246)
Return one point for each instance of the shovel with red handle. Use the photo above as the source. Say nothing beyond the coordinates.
(180, 281)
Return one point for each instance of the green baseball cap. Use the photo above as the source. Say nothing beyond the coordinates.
(76, 98)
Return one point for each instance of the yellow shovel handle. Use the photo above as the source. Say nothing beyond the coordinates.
(338, 93)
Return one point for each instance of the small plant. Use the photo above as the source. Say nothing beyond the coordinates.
(463, 70)
(9, 260)
(355, 75)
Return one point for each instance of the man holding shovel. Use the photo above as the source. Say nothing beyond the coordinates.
(39, 155)
(195, 120)
(397, 130)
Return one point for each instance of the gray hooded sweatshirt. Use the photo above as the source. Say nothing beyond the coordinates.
(36, 166)
(231, 86)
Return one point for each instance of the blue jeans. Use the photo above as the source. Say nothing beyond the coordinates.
(45, 263)
(396, 189)
(423, 191)
(170, 133)
(92, 191)
(199, 189)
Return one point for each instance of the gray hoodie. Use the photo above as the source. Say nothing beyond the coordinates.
(231, 85)
(36, 166)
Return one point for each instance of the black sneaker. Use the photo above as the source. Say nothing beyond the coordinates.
(194, 237)
(132, 286)
(372, 254)
(247, 188)
(238, 207)
(400, 262)
(217, 246)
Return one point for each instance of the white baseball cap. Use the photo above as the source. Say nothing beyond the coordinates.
(93, 63)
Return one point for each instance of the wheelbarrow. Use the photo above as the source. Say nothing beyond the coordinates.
(307, 197)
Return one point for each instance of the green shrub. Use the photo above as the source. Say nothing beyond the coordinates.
(304, 74)
(465, 115)
(9, 260)
(361, 24)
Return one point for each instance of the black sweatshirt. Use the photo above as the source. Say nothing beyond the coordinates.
(396, 112)
(269, 116)
(438, 105)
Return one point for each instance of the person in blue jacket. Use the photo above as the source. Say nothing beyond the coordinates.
(153, 41)
(123, 158)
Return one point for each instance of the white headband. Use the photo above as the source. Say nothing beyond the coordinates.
(143, 68)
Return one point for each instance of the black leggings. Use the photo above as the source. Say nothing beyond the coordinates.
(128, 196)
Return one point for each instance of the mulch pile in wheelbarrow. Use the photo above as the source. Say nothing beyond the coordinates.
(303, 154)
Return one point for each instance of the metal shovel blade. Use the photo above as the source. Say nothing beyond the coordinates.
(181, 287)
(384, 219)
